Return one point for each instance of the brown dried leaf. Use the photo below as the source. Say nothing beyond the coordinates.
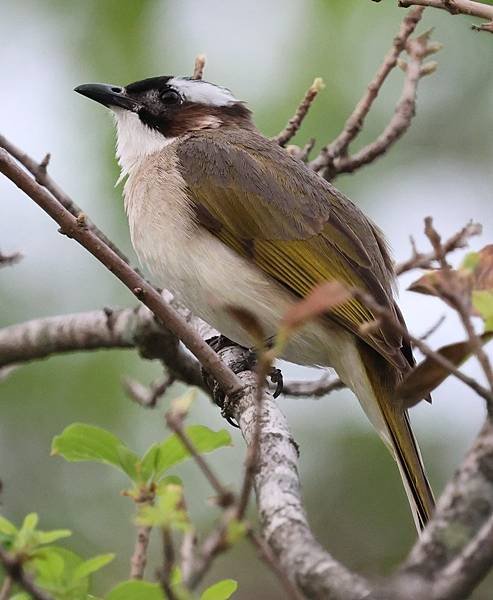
(320, 300)
(483, 273)
(249, 322)
(428, 375)
(441, 282)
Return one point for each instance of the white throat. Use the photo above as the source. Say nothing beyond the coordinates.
(134, 140)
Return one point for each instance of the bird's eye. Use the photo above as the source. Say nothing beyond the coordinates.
(170, 97)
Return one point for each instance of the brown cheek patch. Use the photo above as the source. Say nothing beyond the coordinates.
(192, 117)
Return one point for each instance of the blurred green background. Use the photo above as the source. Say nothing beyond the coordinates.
(268, 53)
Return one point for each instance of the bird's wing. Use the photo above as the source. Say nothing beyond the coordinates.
(296, 227)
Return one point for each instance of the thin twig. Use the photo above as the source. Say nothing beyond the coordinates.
(431, 330)
(228, 381)
(40, 174)
(427, 260)
(296, 120)
(455, 299)
(168, 564)
(199, 66)
(400, 120)
(8, 260)
(148, 396)
(8, 582)
(386, 315)
(175, 423)
(338, 147)
(14, 569)
(314, 389)
(138, 560)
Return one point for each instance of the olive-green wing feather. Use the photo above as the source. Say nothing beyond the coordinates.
(295, 226)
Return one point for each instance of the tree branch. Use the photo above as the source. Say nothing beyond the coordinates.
(296, 120)
(455, 550)
(456, 7)
(14, 569)
(108, 328)
(325, 161)
(76, 229)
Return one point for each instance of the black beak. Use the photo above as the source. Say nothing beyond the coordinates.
(109, 95)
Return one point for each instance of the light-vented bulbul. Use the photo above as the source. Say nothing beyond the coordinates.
(221, 215)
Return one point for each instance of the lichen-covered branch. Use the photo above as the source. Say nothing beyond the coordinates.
(123, 328)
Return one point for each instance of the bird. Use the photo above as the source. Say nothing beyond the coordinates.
(223, 216)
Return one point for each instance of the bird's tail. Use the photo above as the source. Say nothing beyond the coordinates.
(392, 422)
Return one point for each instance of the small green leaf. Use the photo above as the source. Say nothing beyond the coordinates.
(80, 442)
(167, 510)
(20, 596)
(236, 530)
(48, 537)
(6, 527)
(471, 261)
(132, 590)
(222, 590)
(172, 451)
(92, 565)
(482, 301)
(24, 536)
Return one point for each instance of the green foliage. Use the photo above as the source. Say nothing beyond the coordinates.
(27, 539)
(167, 511)
(222, 590)
(62, 573)
(161, 457)
(130, 590)
(483, 303)
(80, 442)
(236, 531)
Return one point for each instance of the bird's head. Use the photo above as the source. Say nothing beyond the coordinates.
(154, 112)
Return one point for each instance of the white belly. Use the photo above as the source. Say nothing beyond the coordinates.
(204, 273)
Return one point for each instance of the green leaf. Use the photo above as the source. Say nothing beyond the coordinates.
(167, 510)
(92, 565)
(471, 261)
(222, 590)
(20, 596)
(132, 590)
(24, 536)
(169, 453)
(80, 442)
(48, 537)
(55, 568)
(236, 531)
(482, 301)
(6, 527)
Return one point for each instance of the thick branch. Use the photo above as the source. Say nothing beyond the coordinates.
(456, 550)
(124, 328)
(283, 519)
(75, 228)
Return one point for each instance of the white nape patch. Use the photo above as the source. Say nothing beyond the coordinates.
(202, 92)
(134, 140)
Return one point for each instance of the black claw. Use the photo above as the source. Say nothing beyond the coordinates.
(276, 377)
